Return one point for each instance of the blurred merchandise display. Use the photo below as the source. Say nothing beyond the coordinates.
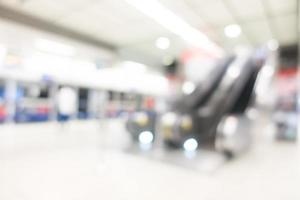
(286, 112)
(83, 103)
(32, 103)
(31, 83)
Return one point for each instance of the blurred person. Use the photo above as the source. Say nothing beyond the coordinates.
(67, 103)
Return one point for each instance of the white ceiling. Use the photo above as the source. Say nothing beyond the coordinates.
(117, 22)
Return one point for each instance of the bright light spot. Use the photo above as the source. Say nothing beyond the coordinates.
(273, 45)
(162, 43)
(234, 72)
(169, 119)
(146, 137)
(232, 30)
(188, 87)
(54, 47)
(230, 125)
(190, 145)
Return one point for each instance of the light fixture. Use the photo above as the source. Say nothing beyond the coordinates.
(188, 87)
(146, 137)
(273, 45)
(232, 30)
(166, 18)
(162, 43)
(54, 47)
(190, 145)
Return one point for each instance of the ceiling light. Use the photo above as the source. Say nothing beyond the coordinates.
(188, 88)
(146, 137)
(54, 47)
(232, 30)
(190, 145)
(176, 25)
(162, 43)
(273, 45)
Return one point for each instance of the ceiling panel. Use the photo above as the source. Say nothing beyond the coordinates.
(185, 10)
(105, 22)
(80, 23)
(72, 4)
(16, 4)
(278, 7)
(248, 9)
(117, 22)
(213, 12)
(45, 9)
(229, 44)
(189, 11)
(129, 30)
(99, 29)
(258, 31)
(286, 29)
(122, 10)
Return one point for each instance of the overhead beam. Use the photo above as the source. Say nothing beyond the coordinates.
(43, 25)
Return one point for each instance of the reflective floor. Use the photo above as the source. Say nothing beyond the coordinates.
(87, 161)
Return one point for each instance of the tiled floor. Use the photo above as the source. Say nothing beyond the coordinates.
(83, 161)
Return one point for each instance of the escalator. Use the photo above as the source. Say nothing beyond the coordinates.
(206, 117)
(198, 119)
